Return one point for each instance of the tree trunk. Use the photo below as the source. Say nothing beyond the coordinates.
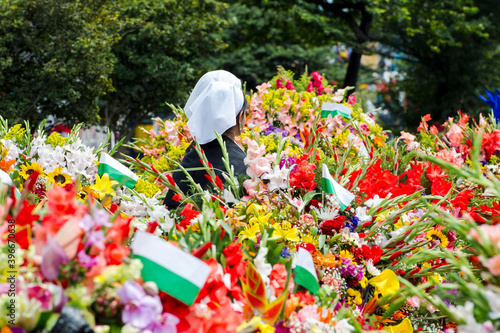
(361, 32)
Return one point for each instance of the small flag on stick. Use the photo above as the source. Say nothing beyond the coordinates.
(343, 196)
(305, 273)
(117, 171)
(335, 109)
(174, 271)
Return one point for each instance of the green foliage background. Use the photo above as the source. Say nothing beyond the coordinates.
(118, 62)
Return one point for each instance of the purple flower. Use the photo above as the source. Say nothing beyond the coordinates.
(101, 218)
(141, 310)
(167, 323)
(96, 238)
(87, 223)
(41, 294)
(53, 256)
(86, 260)
(281, 328)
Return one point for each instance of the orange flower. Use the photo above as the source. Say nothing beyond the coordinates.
(6, 165)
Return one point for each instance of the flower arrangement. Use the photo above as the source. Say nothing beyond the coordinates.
(333, 230)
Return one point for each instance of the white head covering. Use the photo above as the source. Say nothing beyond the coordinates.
(213, 105)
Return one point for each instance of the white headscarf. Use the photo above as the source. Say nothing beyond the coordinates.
(213, 105)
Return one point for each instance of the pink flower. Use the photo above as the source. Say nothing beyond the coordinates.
(363, 127)
(414, 301)
(254, 150)
(351, 100)
(278, 279)
(493, 265)
(251, 186)
(258, 167)
(493, 232)
(263, 87)
(450, 156)
(455, 135)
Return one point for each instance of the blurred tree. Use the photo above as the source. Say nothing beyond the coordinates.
(263, 34)
(55, 58)
(163, 50)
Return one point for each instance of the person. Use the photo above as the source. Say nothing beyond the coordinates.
(217, 104)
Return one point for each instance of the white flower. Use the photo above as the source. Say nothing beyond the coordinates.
(374, 202)
(14, 151)
(381, 240)
(229, 196)
(343, 326)
(327, 213)
(263, 267)
(361, 214)
(370, 268)
(494, 303)
(277, 178)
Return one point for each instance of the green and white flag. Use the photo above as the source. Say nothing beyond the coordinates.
(117, 171)
(305, 273)
(335, 109)
(343, 196)
(5, 179)
(176, 272)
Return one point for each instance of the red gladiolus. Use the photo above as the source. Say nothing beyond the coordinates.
(303, 176)
(374, 253)
(188, 214)
(218, 182)
(114, 253)
(440, 187)
(233, 254)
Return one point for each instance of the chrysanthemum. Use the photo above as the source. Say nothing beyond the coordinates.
(59, 177)
(29, 168)
(433, 235)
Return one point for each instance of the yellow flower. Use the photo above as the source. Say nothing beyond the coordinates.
(256, 322)
(29, 168)
(285, 232)
(262, 219)
(363, 282)
(310, 239)
(344, 254)
(58, 177)
(403, 327)
(354, 296)
(434, 234)
(250, 232)
(103, 186)
(55, 139)
(386, 283)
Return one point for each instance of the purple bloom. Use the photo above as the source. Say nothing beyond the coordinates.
(96, 238)
(281, 328)
(41, 294)
(141, 310)
(53, 256)
(87, 223)
(101, 218)
(166, 324)
(86, 260)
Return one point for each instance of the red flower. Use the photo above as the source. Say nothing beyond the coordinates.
(462, 199)
(188, 214)
(434, 172)
(374, 253)
(303, 176)
(114, 253)
(233, 254)
(440, 187)
(119, 231)
(308, 246)
(330, 227)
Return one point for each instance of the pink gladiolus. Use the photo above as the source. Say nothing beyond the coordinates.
(455, 135)
(493, 265)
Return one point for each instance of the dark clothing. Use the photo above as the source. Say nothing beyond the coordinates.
(213, 152)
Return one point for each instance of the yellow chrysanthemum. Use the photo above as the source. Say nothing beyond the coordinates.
(29, 168)
(103, 186)
(433, 235)
(344, 254)
(59, 177)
